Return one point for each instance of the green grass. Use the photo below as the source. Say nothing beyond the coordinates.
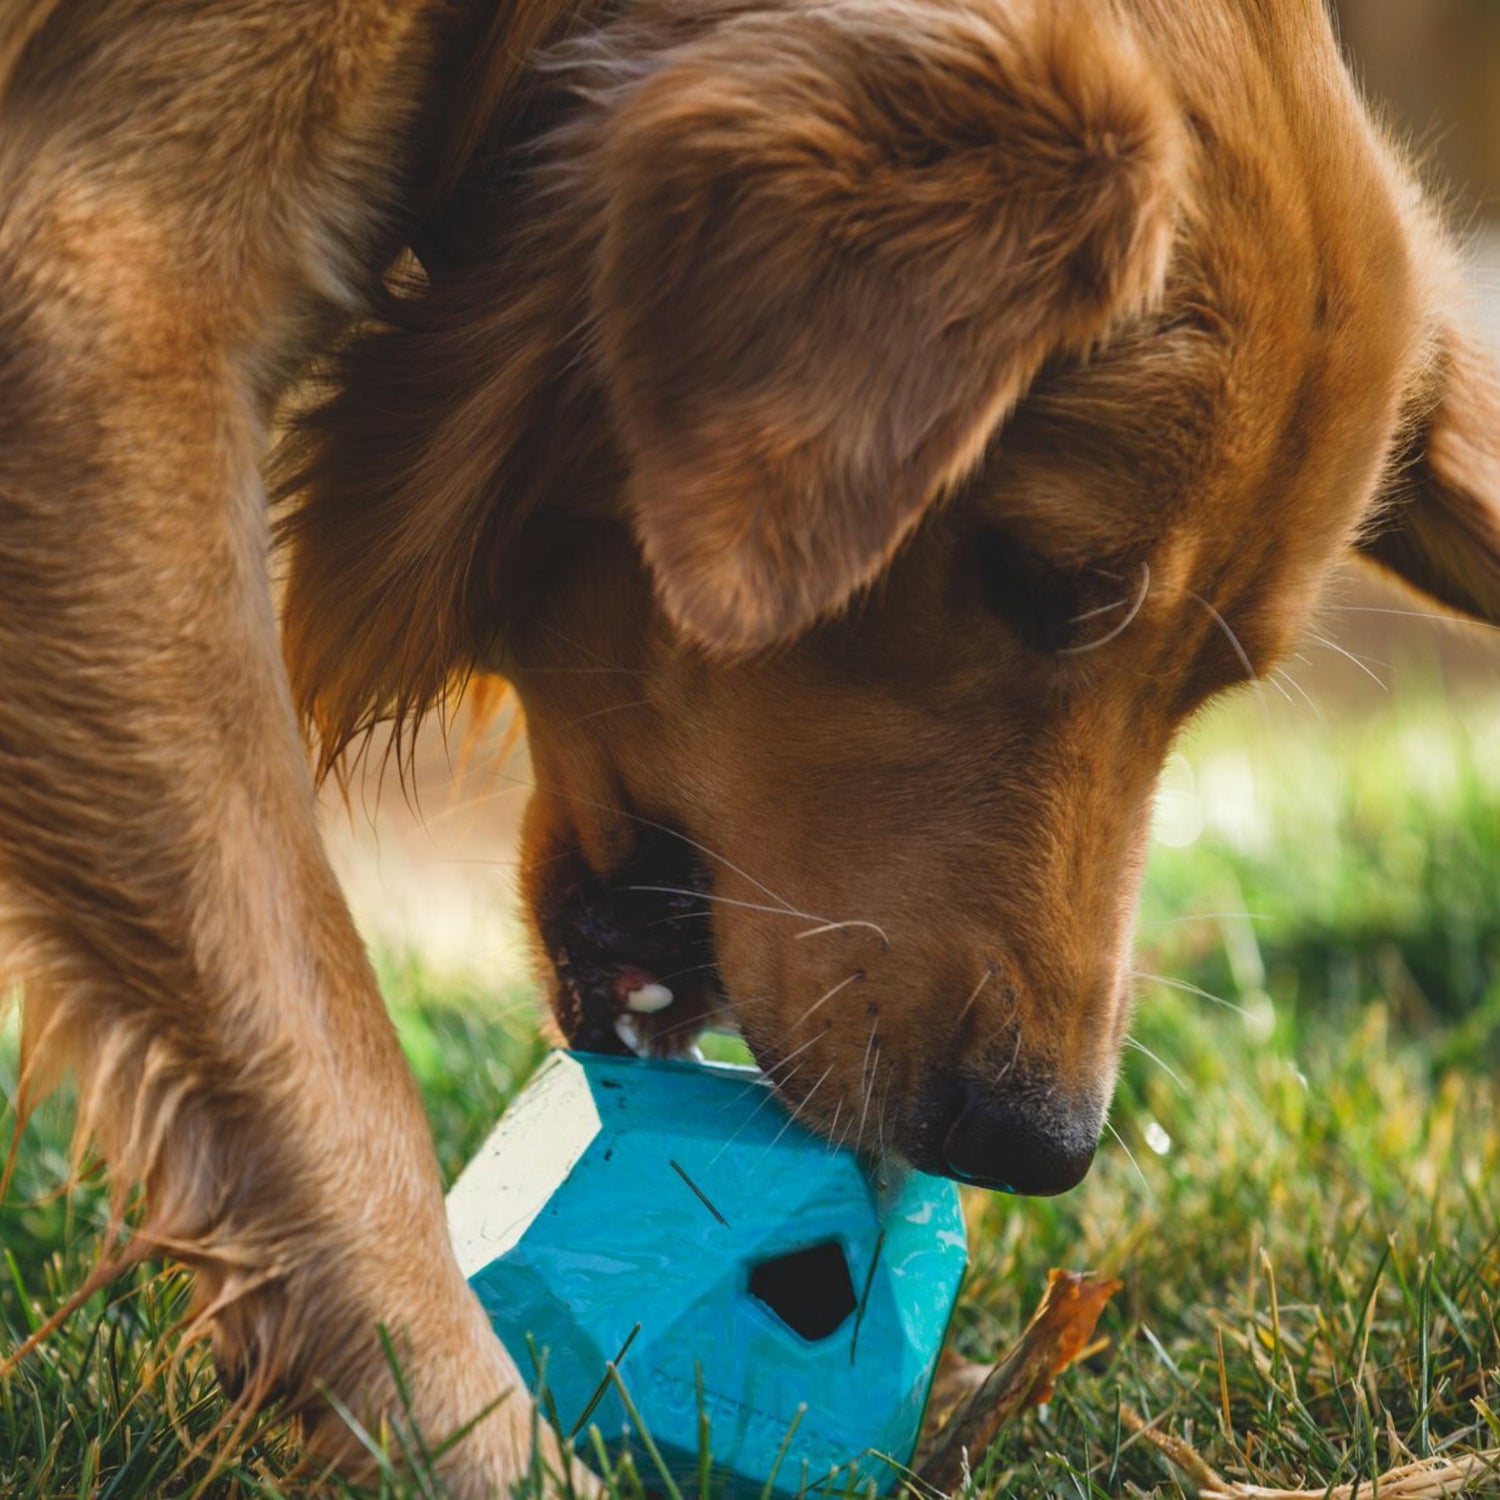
(1303, 1200)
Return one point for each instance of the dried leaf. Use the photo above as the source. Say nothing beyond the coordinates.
(1060, 1330)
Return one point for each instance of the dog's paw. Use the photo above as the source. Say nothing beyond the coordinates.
(450, 1379)
(421, 1374)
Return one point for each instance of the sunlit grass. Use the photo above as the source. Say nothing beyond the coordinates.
(1303, 1201)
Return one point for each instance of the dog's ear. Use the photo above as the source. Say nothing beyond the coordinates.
(837, 245)
(1440, 530)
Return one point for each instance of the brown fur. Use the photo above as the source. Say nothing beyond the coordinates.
(792, 400)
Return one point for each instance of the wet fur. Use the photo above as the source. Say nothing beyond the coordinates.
(782, 396)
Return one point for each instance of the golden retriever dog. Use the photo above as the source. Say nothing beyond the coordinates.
(862, 431)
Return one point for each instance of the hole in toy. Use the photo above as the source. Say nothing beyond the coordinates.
(810, 1290)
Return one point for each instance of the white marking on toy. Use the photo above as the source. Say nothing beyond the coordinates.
(514, 1174)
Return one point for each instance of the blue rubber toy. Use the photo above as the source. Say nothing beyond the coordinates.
(768, 1274)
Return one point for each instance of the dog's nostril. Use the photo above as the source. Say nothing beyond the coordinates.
(1014, 1143)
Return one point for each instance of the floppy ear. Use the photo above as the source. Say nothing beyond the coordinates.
(838, 243)
(1441, 530)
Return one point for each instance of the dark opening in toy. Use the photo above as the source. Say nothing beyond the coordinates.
(810, 1290)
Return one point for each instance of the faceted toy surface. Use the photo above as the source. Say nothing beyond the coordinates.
(769, 1274)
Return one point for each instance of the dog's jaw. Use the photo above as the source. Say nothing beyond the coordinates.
(632, 953)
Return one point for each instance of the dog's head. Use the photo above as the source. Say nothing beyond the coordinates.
(886, 427)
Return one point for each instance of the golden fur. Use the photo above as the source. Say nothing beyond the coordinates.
(862, 430)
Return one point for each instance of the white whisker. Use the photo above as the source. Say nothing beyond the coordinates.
(1193, 989)
(1145, 1051)
(833, 1125)
(766, 1096)
(677, 834)
(786, 1124)
(781, 905)
(1124, 624)
(824, 927)
(1234, 642)
(1093, 614)
(1302, 693)
(613, 708)
(807, 1099)
(825, 924)
(690, 969)
(1359, 662)
(775, 1068)
(1413, 614)
(768, 1075)
(575, 645)
(990, 970)
(677, 890)
(1130, 1156)
(775, 911)
(1229, 635)
(851, 1132)
(1015, 1053)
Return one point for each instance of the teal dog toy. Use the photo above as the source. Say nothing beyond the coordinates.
(750, 1272)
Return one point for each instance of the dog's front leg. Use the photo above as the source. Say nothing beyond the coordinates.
(164, 897)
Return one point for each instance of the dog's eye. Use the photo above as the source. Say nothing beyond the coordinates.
(1036, 598)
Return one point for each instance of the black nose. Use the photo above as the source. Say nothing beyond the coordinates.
(1019, 1141)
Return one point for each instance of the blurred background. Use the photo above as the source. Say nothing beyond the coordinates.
(1436, 64)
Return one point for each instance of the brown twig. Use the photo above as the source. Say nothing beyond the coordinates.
(1427, 1479)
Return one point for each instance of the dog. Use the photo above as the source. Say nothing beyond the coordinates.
(862, 431)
